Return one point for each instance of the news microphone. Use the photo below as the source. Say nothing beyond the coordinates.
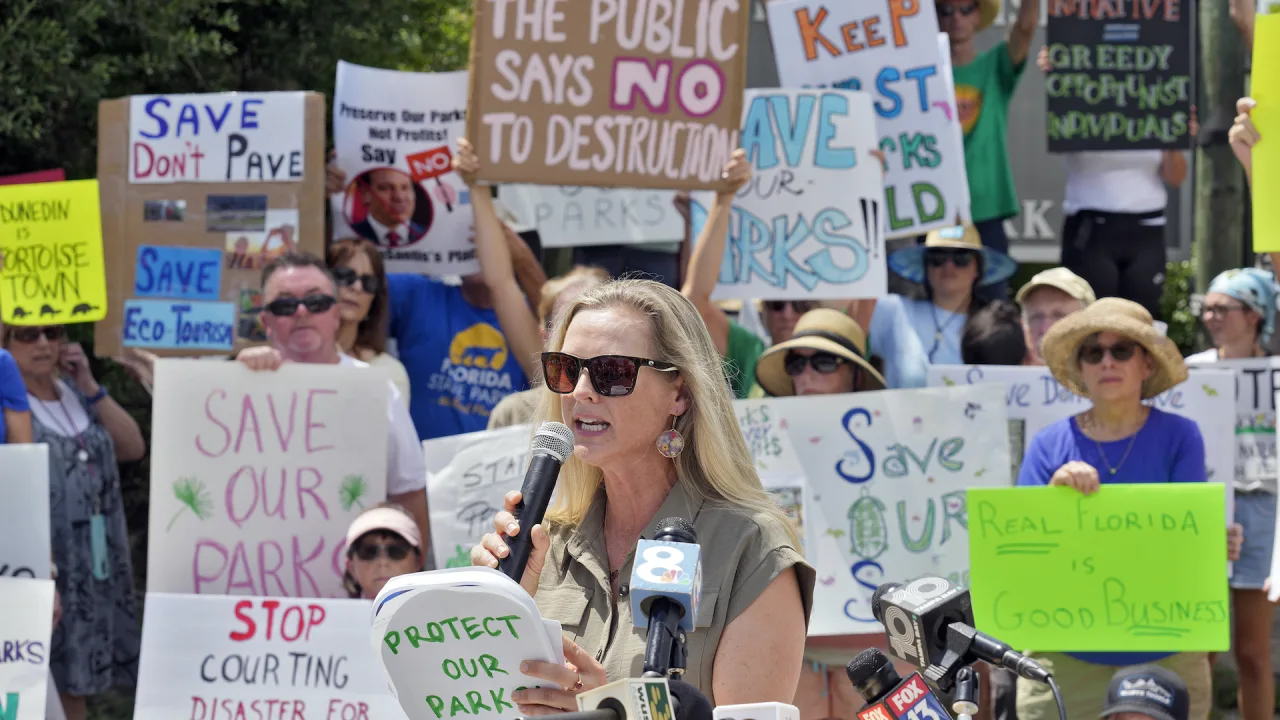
(929, 622)
(758, 711)
(552, 445)
(642, 699)
(666, 579)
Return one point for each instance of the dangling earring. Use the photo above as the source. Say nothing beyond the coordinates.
(671, 442)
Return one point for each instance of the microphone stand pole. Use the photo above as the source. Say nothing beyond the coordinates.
(966, 702)
(665, 652)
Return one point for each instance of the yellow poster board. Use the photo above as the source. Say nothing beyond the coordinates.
(1265, 89)
(51, 242)
(1131, 568)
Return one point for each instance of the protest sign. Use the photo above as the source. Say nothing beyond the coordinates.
(579, 216)
(227, 137)
(394, 133)
(25, 540)
(26, 625)
(1131, 568)
(887, 473)
(1121, 77)
(53, 271)
(1264, 88)
(777, 463)
(198, 193)
(259, 657)
(890, 49)
(1032, 395)
(255, 476)
(453, 641)
(467, 475)
(1255, 419)
(39, 176)
(607, 94)
(810, 222)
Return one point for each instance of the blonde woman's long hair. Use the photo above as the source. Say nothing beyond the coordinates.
(716, 464)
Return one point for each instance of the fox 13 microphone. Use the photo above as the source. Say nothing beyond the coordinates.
(552, 445)
(889, 697)
(929, 623)
(666, 579)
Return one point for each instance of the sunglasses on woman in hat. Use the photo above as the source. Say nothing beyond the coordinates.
(825, 355)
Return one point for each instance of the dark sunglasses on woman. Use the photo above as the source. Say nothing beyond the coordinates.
(1122, 351)
(346, 277)
(52, 333)
(949, 10)
(395, 551)
(288, 306)
(821, 362)
(611, 375)
(799, 306)
(938, 258)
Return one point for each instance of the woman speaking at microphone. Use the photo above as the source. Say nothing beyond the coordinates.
(633, 372)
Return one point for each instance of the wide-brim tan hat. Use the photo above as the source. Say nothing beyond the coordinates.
(908, 262)
(823, 330)
(987, 12)
(1121, 317)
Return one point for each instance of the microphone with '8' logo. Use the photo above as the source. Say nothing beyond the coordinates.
(666, 579)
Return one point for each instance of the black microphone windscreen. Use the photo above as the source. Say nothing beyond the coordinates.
(876, 610)
(676, 529)
(864, 665)
(690, 703)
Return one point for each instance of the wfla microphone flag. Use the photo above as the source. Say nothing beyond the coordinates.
(669, 569)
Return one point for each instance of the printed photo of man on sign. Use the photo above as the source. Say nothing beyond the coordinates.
(386, 206)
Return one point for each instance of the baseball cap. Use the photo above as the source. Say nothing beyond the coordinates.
(390, 519)
(1062, 279)
(1150, 690)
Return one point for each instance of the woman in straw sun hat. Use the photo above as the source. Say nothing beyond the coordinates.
(827, 354)
(951, 265)
(1111, 353)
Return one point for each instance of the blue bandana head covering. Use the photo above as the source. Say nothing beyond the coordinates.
(1256, 289)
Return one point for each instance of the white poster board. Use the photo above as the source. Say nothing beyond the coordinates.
(891, 50)
(467, 477)
(395, 133)
(810, 223)
(1255, 426)
(887, 473)
(26, 627)
(209, 656)
(769, 440)
(255, 476)
(581, 216)
(217, 138)
(25, 541)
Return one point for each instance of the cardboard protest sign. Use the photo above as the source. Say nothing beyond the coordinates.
(394, 133)
(777, 463)
(1264, 87)
(51, 245)
(607, 94)
(810, 223)
(255, 476)
(887, 473)
(26, 624)
(579, 216)
(1130, 568)
(467, 475)
(452, 641)
(1032, 395)
(259, 657)
(1121, 77)
(198, 193)
(25, 540)
(888, 48)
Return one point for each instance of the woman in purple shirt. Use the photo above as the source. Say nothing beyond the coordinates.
(1111, 353)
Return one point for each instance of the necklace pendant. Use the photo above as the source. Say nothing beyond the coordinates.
(1113, 470)
(83, 456)
(937, 335)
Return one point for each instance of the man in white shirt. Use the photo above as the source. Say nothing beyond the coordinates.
(390, 201)
(300, 313)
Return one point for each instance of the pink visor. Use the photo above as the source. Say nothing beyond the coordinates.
(384, 518)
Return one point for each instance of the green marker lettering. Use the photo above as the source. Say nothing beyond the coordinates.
(434, 633)
(1014, 620)
(9, 711)
(498, 702)
(457, 671)
(1189, 522)
(477, 702)
(492, 633)
(1113, 595)
(490, 665)
(411, 632)
(511, 628)
(392, 639)
(471, 627)
(457, 706)
(987, 519)
(947, 453)
(450, 623)
(436, 704)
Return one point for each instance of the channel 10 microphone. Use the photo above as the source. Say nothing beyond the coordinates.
(758, 711)
(929, 623)
(552, 445)
(666, 579)
(642, 699)
(888, 696)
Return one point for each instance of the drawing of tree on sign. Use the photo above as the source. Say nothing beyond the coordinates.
(194, 497)
(351, 491)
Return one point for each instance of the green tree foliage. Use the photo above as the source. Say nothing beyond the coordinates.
(58, 58)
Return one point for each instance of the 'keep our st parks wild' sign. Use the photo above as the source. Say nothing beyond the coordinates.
(1121, 77)
(607, 93)
(1131, 568)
